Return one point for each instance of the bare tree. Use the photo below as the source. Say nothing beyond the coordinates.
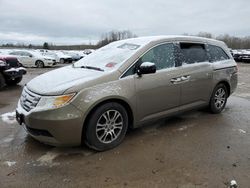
(231, 41)
(115, 36)
(205, 34)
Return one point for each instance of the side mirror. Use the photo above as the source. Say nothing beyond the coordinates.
(146, 68)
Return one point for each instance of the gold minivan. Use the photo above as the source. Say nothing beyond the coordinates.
(123, 85)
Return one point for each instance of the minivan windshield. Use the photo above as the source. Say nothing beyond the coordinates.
(108, 57)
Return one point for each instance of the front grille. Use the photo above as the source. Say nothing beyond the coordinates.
(38, 132)
(29, 100)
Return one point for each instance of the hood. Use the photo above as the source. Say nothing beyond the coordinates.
(56, 82)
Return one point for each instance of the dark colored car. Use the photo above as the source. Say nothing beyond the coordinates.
(11, 71)
(245, 58)
(242, 56)
(237, 57)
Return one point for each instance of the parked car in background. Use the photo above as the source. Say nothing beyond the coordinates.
(241, 55)
(126, 84)
(5, 51)
(63, 58)
(245, 57)
(88, 51)
(73, 55)
(51, 54)
(33, 59)
(11, 71)
(42, 50)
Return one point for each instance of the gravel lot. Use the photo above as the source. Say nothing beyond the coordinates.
(192, 150)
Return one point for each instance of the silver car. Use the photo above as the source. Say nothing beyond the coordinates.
(123, 85)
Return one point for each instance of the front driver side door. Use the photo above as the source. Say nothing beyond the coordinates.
(156, 94)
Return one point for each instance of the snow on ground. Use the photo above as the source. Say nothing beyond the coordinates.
(10, 163)
(7, 139)
(47, 159)
(9, 117)
(242, 131)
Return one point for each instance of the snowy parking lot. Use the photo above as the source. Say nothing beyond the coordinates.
(192, 150)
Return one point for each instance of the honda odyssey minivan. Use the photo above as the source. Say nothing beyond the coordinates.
(123, 85)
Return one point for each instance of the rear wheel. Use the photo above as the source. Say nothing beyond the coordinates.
(2, 81)
(39, 64)
(218, 99)
(15, 81)
(106, 126)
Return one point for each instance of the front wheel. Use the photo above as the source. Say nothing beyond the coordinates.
(106, 126)
(39, 64)
(218, 99)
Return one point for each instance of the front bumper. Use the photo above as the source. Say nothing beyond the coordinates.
(50, 63)
(57, 127)
(13, 73)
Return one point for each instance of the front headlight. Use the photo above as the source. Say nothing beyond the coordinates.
(48, 59)
(51, 102)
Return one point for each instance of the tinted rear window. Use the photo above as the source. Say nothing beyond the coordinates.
(193, 53)
(216, 53)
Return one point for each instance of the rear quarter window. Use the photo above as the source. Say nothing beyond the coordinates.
(216, 53)
(193, 53)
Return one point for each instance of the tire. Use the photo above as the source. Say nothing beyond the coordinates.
(39, 64)
(2, 81)
(218, 99)
(104, 118)
(62, 61)
(14, 82)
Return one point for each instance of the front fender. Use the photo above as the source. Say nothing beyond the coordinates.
(89, 98)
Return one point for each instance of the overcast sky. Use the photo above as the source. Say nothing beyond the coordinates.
(79, 21)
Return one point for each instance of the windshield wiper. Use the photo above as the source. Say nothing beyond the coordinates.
(93, 68)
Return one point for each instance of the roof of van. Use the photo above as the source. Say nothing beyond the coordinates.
(149, 39)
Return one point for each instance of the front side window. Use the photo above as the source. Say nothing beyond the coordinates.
(192, 53)
(162, 56)
(22, 53)
(216, 53)
(26, 54)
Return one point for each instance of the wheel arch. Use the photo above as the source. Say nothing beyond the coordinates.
(38, 61)
(226, 83)
(120, 101)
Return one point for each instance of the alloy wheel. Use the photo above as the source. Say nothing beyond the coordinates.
(109, 126)
(220, 98)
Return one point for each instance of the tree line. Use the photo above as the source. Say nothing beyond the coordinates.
(106, 38)
(231, 41)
